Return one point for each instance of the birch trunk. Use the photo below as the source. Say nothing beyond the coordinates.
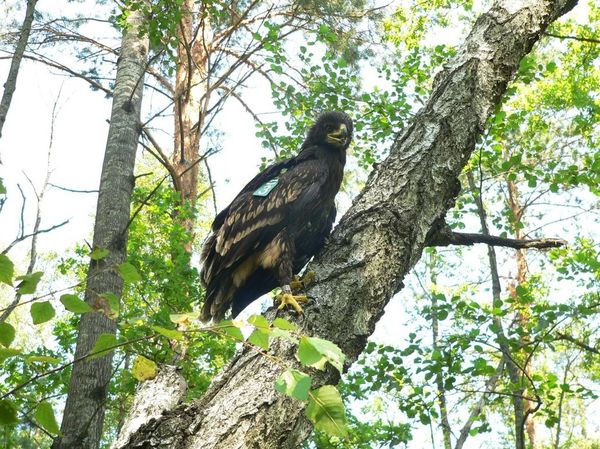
(374, 246)
(11, 80)
(84, 409)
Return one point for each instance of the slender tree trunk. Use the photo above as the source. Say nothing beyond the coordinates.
(376, 243)
(490, 385)
(524, 311)
(85, 406)
(439, 377)
(191, 99)
(513, 370)
(11, 80)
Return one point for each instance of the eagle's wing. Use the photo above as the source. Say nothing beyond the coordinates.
(251, 222)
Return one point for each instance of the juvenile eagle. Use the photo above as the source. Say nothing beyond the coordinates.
(276, 223)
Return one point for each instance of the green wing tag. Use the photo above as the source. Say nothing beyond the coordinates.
(266, 188)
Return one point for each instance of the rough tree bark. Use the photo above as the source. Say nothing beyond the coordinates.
(84, 410)
(374, 246)
(11, 80)
(191, 102)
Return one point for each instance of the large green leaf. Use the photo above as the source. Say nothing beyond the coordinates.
(231, 328)
(285, 325)
(42, 359)
(104, 344)
(42, 312)
(99, 253)
(259, 322)
(259, 338)
(7, 269)
(129, 273)
(7, 334)
(294, 383)
(8, 413)
(316, 352)
(171, 334)
(44, 415)
(8, 352)
(73, 304)
(28, 283)
(326, 411)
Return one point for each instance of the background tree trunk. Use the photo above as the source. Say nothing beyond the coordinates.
(374, 246)
(11, 80)
(84, 409)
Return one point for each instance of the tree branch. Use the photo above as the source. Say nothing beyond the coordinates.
(445, 237)
(575, 38)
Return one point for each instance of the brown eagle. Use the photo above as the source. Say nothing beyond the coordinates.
(276, 223)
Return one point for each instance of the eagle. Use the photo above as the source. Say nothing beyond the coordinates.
(278, 221)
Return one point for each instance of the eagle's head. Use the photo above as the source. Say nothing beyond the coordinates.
(333, 129)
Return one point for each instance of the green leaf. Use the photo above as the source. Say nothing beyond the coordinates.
(294, 383)
(99, 253)
(44, 415)
(144, 369)
(42, 359)
(231, 328)
(7, 269)
(326, 411)
(259, 322)
(42, 312)
(8, 413)
(28, 283)
(315, 352)
(7, 334)
(129, 273)
(171, 334)
(5, 353)
(104, 344)
(260, 338)
(2, 187)
(73, 304)
(285, 325)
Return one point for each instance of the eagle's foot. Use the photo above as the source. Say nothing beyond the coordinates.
(286, 298)
(302, 283)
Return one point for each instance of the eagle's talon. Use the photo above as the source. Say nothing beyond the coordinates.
(287, 299)
(302, 283)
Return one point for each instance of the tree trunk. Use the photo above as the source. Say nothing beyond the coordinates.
(513, 369)
(524, 311)
(374, 246)
(11, 80)
(191, 99)
(84, 409)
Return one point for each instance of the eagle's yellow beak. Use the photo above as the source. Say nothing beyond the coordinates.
(339, 136)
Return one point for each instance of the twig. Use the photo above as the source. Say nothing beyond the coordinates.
(575, 38)
(66, 189)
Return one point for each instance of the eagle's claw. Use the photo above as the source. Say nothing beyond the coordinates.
(302, 283)
(287, 299)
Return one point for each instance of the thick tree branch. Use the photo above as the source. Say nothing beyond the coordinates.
(445, 237)
(374, 246)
